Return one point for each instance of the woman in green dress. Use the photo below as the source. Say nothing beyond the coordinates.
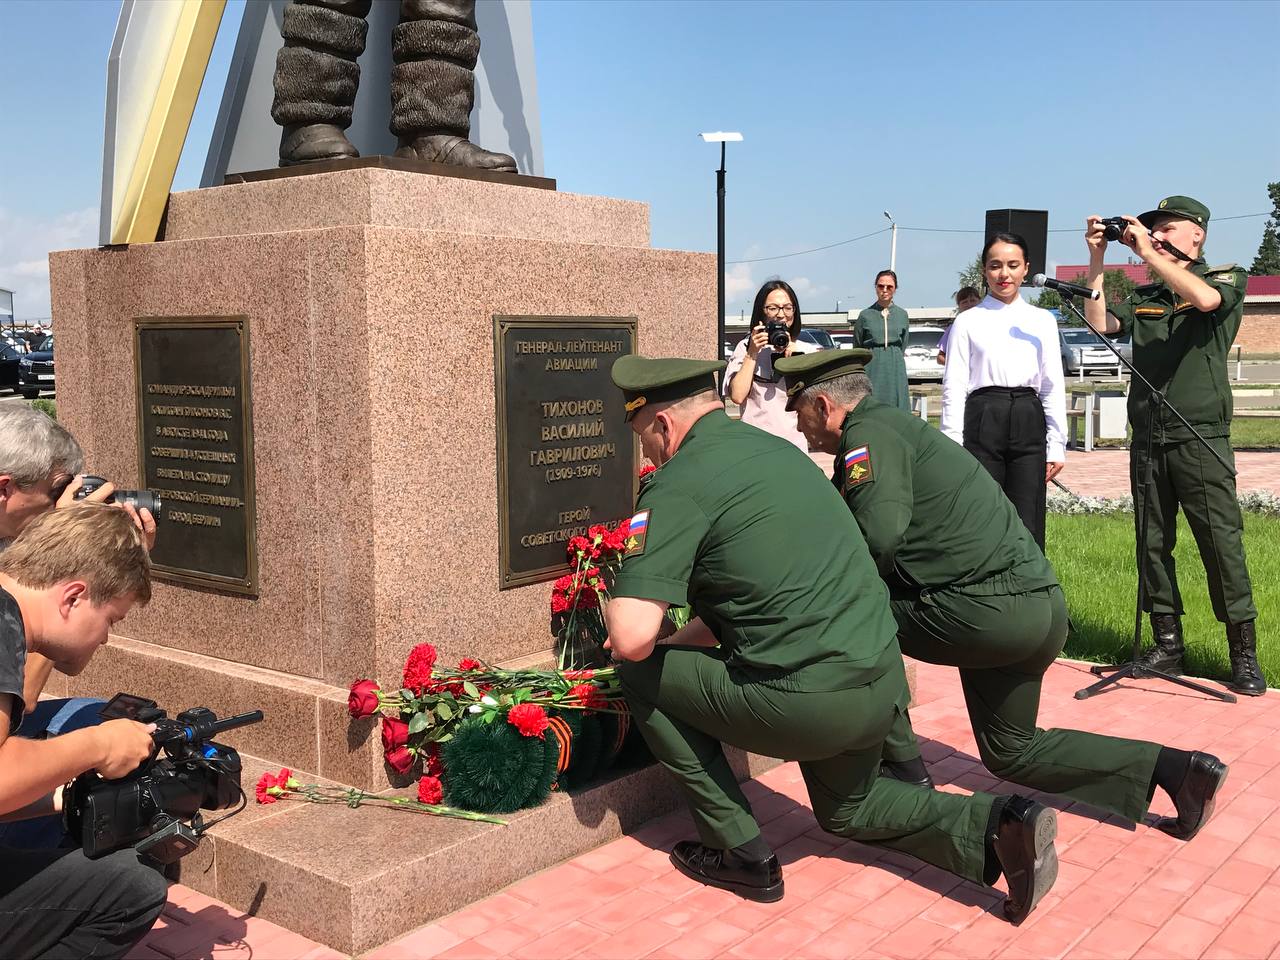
(882, 328)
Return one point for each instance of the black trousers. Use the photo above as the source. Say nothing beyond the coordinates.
(1004, 429)
(59, 903)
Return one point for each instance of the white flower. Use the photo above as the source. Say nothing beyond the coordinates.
(474, 708)
(487, 700)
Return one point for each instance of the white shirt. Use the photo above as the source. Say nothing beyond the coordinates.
(997, 344)
(766, 403)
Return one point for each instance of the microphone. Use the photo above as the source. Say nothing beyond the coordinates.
(1071, 289)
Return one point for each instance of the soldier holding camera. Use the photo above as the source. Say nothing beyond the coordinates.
(64, 581)
(1182, 325)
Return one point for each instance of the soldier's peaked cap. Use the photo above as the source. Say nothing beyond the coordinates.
(645, 381)
(1184, 207)
(806, 370)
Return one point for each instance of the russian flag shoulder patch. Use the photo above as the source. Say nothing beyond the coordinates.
(638, 530)
(857, 466)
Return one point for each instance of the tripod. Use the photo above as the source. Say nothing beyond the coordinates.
(1156, 403)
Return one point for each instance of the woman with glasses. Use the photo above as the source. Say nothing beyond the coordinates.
(882, 329)
(750, 380)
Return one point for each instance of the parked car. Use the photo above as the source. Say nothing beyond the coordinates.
(1084, 352)
(35, 370)
(844, 341)
(817, 338)
(921, 354)
(9, 359)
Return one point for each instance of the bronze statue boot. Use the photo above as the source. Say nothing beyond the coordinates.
(1166, 655)
(455, 151)
(312, 142)
(1246, 675)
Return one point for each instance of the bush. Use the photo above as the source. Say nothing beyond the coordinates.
(45, 406)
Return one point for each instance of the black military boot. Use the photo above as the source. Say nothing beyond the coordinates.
(907, 771)
(313, 142)
(456, 151)
(759, 880)
(1246, 676)
(1020, 845)
(1166, 655)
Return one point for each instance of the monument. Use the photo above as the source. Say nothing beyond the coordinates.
(376, 404)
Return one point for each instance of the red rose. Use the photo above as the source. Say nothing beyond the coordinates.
(260, 791)
(469, 663)
(400, 759)
(417, 669)
(363, 699)
(530, 719)
(434, 766)
(395, 733)
(589, 696)
(430, 790)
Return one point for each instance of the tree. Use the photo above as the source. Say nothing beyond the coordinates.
(1116, 286)
(972, 275)
(1267, 262)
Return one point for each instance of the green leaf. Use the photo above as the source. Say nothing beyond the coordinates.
(472, 690)
(489, 716)
(407, 694)
(444, 711)
(420, 722)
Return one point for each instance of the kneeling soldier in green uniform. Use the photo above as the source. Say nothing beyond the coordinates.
(791, 652)
(969, 588)
(1182, 327)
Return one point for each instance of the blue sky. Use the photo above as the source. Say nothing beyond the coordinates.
(933, 111)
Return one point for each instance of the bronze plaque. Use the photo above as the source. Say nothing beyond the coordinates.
(566, 458)
(195, 448)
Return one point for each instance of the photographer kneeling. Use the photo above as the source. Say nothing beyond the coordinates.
(64, 581)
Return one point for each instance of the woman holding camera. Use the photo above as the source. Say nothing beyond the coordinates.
(1002, 391)
(750, 380)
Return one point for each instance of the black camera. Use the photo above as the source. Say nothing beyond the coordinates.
(1113, 228)
(779, 337)
(141, 499)
(148, 809)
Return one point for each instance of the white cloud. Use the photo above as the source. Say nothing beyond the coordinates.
(738, 284)
(25, 243)
(805, 288)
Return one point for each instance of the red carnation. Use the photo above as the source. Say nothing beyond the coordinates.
(469, 663)
(417, 669)
(266, 783)
(430, 790)
(530, 719)
(579, 674)
(647, 469)
(395, 733)
(589, 695)
(400, 759)
(434, 766)
(363, 699)
(559, 602)
(582, 547)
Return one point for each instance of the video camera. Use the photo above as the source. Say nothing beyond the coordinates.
(147, 808)
(141, 499)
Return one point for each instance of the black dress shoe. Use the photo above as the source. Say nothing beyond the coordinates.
(913, 772)
(1023, 843)
(455, 151)
(759, 880)
(1195, 796)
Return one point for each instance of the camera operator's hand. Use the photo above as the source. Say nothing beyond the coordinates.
(1094, 237)
(124, 745)
(144, 521)
(69, 494)
(1138, 239)
(759, 340)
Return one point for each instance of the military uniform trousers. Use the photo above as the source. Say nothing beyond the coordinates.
(1187, 475)
(688, 702)
(1003, 644)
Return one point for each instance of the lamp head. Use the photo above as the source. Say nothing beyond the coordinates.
(720, 136)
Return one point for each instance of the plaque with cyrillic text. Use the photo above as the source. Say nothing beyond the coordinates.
(195, 448)
(566, 457)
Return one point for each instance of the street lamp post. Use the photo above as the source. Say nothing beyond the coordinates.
(721, 138)
(893, 242)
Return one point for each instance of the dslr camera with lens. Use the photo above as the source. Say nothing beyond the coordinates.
(1113, 228)
(156, 809)
(779, 337)
(140, 499)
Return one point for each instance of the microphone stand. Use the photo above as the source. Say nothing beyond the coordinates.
(1135, 668)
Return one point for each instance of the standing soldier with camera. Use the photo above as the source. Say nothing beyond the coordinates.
(1183, 325)
(64, 582)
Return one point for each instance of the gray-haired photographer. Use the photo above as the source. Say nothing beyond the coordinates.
(40, 470)
(64, 582)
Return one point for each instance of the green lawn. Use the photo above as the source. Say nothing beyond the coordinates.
(1247, 433)
(1094, 559)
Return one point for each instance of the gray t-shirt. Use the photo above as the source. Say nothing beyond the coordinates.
(13, 655)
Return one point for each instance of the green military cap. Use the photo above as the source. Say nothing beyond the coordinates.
(806, 370)
(1185, 207)
(643, 380)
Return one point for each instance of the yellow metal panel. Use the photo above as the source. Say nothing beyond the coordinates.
(185, 62)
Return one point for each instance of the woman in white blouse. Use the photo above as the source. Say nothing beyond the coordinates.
(1002, 392)
(750, 380)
